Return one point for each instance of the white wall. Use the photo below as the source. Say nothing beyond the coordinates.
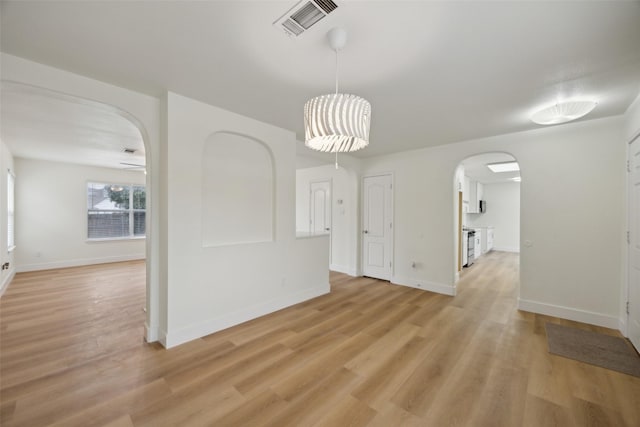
(144, 111)
(237, 191)
(51, 216)
(344, 216)
(6, 164)
(503, 213)
(564, 270)
(308, 161)
(211, 288)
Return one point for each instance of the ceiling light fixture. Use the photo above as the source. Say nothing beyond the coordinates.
(504, 167)
(563, 112)
(337, 122)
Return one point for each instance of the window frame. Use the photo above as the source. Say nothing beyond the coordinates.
(131, 212)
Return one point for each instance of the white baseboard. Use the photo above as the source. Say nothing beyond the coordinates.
(438, 288)
(343, 269)
(173, 338)
(568, 313)
(162, 338)
(7, 280)
(622, 326)
(506, 249)
(77, 262)
(150, 333)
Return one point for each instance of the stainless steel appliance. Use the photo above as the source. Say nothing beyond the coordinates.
(470, 235)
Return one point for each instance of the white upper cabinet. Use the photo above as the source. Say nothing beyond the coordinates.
(465, 189)
(473, 193)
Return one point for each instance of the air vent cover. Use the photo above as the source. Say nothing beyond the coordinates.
(304, 15)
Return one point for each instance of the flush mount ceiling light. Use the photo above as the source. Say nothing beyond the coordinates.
(337, 122)
(563, 112)
(504, 167)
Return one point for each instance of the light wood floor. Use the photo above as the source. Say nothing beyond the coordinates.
(370, 353)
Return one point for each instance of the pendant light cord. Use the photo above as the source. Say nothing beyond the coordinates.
(336, 71)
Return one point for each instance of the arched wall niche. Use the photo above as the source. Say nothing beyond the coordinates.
(238, 190)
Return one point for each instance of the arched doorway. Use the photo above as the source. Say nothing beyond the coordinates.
(486, 209)
(51, 126)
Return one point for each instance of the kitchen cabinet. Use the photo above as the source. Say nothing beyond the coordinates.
(477, 244)
(473, 195)
(486, 239)
(465, 189)
(489, 238)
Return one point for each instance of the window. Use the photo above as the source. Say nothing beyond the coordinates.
(11, 237)
(115, 211)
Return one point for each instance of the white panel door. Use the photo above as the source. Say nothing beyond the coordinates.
(320, 208)
(634, 243)
(377, 227)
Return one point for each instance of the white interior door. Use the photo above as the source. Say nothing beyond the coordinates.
(634, 243)
(377, 226)
(320, 209)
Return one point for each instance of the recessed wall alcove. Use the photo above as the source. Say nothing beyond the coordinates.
(237, 190)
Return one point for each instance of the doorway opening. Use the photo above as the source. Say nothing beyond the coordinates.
(486, 209)
(327, 205)
(82, 186)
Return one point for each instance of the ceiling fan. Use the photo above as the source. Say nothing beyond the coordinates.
(134, 167)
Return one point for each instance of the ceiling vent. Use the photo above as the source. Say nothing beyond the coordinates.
(304, 15)
(129, 150)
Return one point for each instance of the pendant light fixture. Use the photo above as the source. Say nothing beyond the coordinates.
(337, 122)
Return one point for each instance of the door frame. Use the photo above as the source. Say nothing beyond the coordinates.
(392, 219)
(624, 325)
(319, 181)
(459, 268)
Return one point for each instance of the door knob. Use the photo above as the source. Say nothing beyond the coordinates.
(365, 231)
(327, 229)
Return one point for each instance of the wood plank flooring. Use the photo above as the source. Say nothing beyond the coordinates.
(368, 354)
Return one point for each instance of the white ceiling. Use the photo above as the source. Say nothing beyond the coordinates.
(41, 124)
(434, 72)
(476, 168)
